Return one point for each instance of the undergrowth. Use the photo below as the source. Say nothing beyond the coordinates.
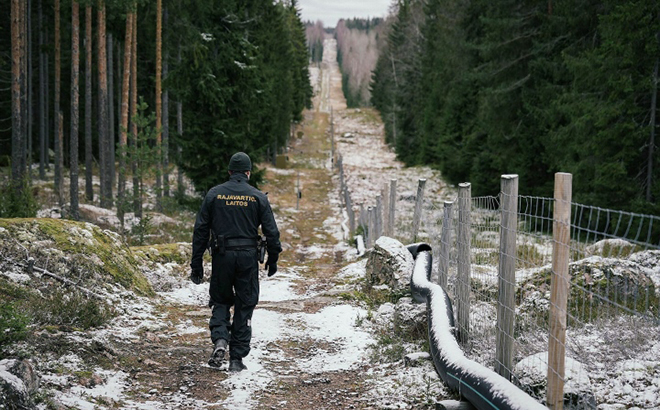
(70, 308)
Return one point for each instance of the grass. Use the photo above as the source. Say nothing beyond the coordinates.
(371, 297)
(13, 324)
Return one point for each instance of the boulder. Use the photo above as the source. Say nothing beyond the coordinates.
(390, 263)
(410, 318)
(632, 282)
(18, 382)
(611, 248)
(650, 261)
(532, 373)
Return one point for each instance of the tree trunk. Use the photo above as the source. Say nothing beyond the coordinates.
(654, 107)
(137, 199)
(118, 75)
(75, 80)
(111, 110)
(179, 129)
(128, 48)
(24, 89)
(89, 159)
(47, 120)
(159, 115)
(16, 175)
(166, 120)
(43, 148)
(30, 110)
(104, 146)
(56, 109)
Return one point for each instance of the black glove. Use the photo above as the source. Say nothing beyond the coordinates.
(197, 276)
(272, 263)
(272, 269)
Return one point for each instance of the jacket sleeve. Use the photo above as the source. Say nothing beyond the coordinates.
(269, 228)
(201, 234)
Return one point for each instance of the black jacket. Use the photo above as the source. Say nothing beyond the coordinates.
(235, 210)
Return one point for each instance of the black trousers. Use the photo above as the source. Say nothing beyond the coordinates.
(234, 282)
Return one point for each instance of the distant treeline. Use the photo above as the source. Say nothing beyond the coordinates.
(358, 42)
(315, 35)
(482, 88)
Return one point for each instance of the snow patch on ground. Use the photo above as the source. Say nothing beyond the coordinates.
(188, 294)
(279, 288)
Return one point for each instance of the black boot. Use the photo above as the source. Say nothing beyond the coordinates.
(236, 365)
(218, 356)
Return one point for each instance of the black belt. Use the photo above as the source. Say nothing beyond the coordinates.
(240, 243)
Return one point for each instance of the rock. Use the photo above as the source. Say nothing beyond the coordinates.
(633, 282)
(389, 263)
(385, 314)
(650, 261)
(611, 248)
(91, 381)
(416, 359)
(18, 382)
(532, 373)
(628, 279)
(410, 318)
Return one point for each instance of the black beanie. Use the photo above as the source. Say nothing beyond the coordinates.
(240, 162)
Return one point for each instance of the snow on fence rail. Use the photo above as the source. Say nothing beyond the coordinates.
(548, 292)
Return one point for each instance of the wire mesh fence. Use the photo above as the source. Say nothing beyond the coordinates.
(612, 318)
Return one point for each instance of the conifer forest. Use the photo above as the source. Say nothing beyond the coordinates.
(481, 88)
(128, 89)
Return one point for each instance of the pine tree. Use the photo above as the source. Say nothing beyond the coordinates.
(57, 115)
(75, 76)
(89, 187)
(17, 127)
(159, 100)
(104, 137)
(123, 138)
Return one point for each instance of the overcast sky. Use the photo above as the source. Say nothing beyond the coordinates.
(330, 11)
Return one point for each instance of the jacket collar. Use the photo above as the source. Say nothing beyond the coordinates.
(238, 177)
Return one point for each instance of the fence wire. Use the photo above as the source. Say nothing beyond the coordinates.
(612, 314)
(613, 319)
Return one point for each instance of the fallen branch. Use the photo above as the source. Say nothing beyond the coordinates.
(30, 266)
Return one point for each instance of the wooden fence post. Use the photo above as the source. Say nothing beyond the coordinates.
(362, 220)
(340, 166)
(506, 306)
(386, 206)
(417, 216)
(392, 204)
(445, 245)
(463, 268)
(332, 138)
(370, 226)
(349, 211)
(379, 217)
(559, 289)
